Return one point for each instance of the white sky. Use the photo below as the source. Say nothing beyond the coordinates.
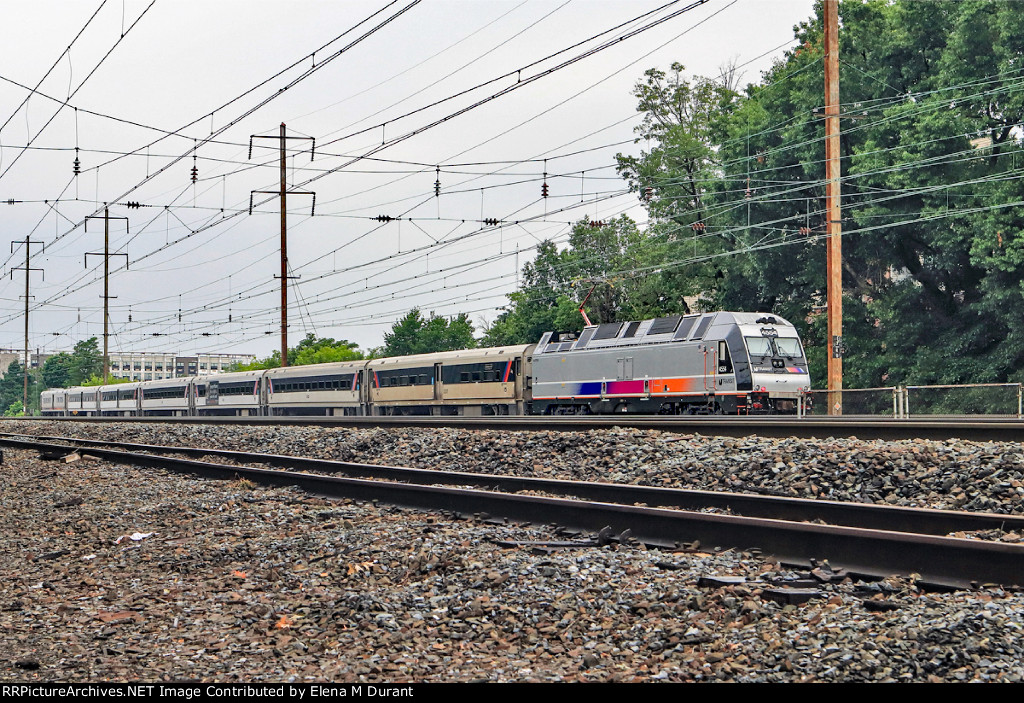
(184, 59)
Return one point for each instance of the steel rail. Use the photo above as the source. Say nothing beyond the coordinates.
(943, 561)
(862, 427)
(866, 515)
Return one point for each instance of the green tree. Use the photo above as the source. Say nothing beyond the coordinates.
(12, 385)
(86, 361)
(314, 350)
(610, 268)
(414, 334)
(97, 380)
(57, 371)
(684, 121)
(311, 350)
(932, 260)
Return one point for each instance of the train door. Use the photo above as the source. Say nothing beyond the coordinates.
(362, 393)
(624, 369)
(264, 396)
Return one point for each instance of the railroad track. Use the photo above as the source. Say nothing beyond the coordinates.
(869, 540)
(863, 427)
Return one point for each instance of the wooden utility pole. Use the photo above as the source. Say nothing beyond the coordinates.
(28, 244)
(834, 258)
(284, 228)
(284, 251)
(106, 282)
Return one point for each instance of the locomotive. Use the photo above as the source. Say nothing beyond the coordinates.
(704, 363)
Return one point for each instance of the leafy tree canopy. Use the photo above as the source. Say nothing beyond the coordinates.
(311, 350)
(414, 334)
(86, 361)
(57, 371)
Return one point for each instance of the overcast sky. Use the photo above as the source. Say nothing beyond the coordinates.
(146, 83)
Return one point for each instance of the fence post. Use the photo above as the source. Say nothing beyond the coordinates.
(906, 402)
(1018, 401)
(895, 402)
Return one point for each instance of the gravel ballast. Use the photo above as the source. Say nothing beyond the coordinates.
(115, 573)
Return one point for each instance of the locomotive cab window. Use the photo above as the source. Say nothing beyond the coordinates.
(789, 347)
(759, 346)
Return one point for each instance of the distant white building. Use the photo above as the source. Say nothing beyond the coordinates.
(153, 366)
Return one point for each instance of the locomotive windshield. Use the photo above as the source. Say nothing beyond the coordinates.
(788, 347)
(759, 346)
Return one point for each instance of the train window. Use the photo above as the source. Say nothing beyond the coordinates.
(788, 347)
(631, 329)
(759, 346)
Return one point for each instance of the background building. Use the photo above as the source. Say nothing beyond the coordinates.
(35, 359)
(152, 366)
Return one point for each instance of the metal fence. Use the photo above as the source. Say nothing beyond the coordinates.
(901, 402)
(853, 401)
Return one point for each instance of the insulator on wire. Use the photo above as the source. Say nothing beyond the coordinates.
(698, 227)
(77, 166)
(437, 184)
(544, 190)
(492, 221)
(805, 230)
(133, 204)
(597, 224)
(384, 218)
(195, 169)
(648, 194)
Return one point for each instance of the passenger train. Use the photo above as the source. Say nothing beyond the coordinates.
(706, 363)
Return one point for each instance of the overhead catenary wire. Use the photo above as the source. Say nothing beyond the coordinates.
(547, 72)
